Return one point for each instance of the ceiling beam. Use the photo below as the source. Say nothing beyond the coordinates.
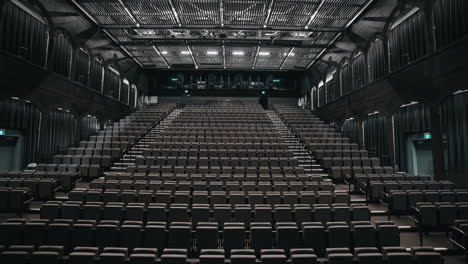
(148, 38)
(221, 12)
(162, 57)
(130, 14)
(287, 58)
(224, 57)
(267, 18)
(193, 58)
(174, 12)
(255, 58)
(314, 15)
(243, 43)
(233, 27)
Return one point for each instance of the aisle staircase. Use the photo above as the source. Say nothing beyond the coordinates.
(310, 165)
(130, 157)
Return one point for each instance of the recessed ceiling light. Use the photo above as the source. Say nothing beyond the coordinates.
(238, 53)
(184, 52)
(163, 52)
(264, 53)
(212, 52)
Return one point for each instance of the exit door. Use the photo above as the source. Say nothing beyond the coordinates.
(11, 151)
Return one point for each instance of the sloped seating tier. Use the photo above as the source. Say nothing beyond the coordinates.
(194, 238)
(101, 151)
(340, 157)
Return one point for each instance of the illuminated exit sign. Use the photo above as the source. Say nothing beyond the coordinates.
(427, 136)
(2, 132)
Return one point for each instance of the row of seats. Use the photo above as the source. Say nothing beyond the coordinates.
(213, 197)
(362, 180)
(14, 198)
(103, 160)
(328, 163)
(65, 180)
(439, 215)
(206, 235)
(237, 151)
(250, 137)
(378, 189)
(204, 212)
(263, 185)
(400, 201)
(223, 178)
(343, 172)
(341, 152)
(92, 151)
(184, 161)
(38, 188)
(213, 169)
(84, 170)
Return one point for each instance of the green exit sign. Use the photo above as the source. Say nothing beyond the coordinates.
(276, 80)
(2, 132)
(174, 79)
(427, 136)
(186, 91)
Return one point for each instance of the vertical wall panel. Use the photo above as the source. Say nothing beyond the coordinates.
(61, 132)
(331, 84)
(124, 93)
(407, 41)
(450, 21)
(412, 119)
(22, 34)
(376, 60)
(350, 129)
(455, 125)
(24, 116)
(111, 83)
(95, 74)
(375, 137)
(359, 70)
(81, 66)
(61, 55)
(89, 126)
(321, 94)
(133, 94)
(346, 78)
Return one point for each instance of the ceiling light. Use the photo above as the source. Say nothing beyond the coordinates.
(238, 53)
(264, 53)
(286, 54)
(163, 52)
(212, 52)
(184, 52)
